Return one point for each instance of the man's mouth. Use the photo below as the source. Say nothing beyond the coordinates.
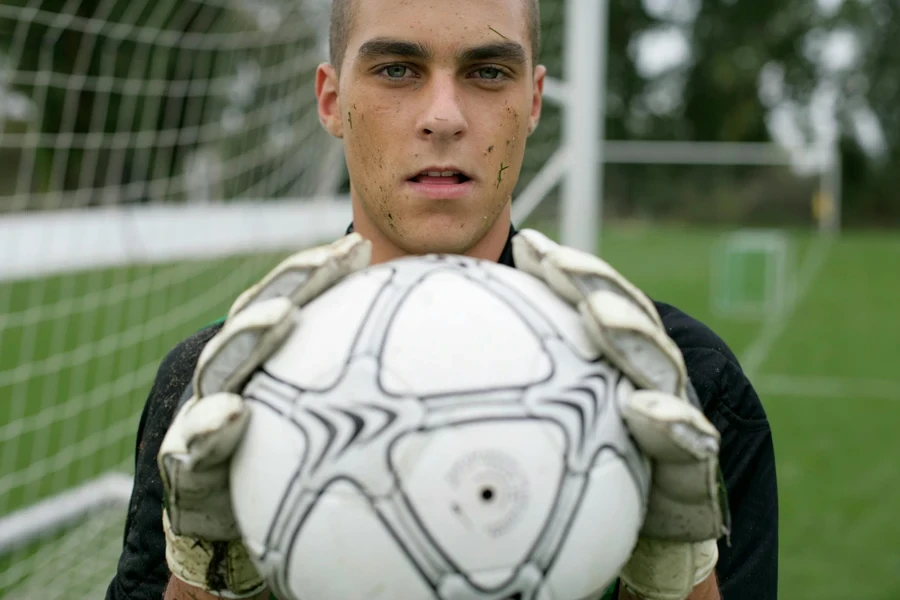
(441, 177)
(441, 182)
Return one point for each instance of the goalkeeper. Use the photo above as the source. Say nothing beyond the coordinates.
(434, 101)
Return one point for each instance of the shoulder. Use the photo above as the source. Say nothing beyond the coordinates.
(142, 573)
(688, 332)
(177, 368)
(172, 379)
(714, 370)
(182, 358)
(748, 562)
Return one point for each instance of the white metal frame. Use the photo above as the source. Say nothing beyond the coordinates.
(578, 165)
(58, 512)
(775, 248)
(584, 60)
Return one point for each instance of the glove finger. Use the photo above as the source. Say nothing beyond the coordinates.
(199, 502)
(634, 343)
(193, 462)
(203, 436)
(243, 343)
(622, 320)
(574, 274)
(205, 433)
(659, 570)
(307, 274)
(212, 429)
(686, 503)
(669, 429)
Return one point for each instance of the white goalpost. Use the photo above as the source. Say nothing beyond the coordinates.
(157, 158)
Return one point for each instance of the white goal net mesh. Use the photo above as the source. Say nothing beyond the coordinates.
(136, 136)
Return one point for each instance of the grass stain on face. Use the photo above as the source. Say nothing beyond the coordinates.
(497, 32)
(500, 173)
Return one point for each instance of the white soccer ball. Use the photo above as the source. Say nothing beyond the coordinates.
(438, 428)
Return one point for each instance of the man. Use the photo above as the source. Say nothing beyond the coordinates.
(434, 100)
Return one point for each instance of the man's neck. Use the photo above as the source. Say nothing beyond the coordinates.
(489, 247)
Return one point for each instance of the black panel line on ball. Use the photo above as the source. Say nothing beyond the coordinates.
(401, 300)
(600, 407)
(494, 284)
(390, 415)
(519, 388)
(570, 523)
(552, 515)
(331, 435)
(290, 420)
(294, 534)
(414, 515)
(404, 296)
(359, 424)
(252, 397)
(494, 280)
(505, 300)
(272, 384)
(284, 513)
(630, 464)
(385, 286)
(582, 430)
(386, 524)
(281, 508)
(353, 345)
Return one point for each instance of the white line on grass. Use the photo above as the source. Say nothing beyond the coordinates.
(756, 352)
(828, 387)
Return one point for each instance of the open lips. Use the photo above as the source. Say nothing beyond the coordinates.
(441, 177)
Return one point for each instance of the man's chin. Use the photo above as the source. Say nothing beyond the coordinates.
(438, 246)
(439, 238)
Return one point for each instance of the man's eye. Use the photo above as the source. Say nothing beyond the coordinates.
(490, 73)
(395, 71)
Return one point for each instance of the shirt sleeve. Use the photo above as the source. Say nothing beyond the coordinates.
(748, 558)
(142, 573)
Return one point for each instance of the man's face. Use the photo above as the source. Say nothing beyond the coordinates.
(434, 102)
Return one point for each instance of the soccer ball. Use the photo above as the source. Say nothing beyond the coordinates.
(438, 428)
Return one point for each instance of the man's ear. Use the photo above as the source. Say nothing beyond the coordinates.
(328, 100)
(537, 100)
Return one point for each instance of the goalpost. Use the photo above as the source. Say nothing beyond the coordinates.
(156, 157)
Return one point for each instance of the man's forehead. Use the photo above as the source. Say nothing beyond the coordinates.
(428, 21)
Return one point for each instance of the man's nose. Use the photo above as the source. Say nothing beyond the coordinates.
(444, 117)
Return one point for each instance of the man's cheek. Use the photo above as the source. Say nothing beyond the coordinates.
(510, 158)
(364, 142)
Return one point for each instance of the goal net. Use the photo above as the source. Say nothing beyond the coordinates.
(157, 157)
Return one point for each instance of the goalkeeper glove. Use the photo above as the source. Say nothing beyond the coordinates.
(203, 546)
(686, 511)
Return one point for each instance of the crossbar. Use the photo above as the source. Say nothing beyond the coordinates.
(63, 510)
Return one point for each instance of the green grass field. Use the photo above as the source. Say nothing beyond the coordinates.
(78, 354)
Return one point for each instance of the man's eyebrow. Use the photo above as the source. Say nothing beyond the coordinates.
(507, 51)
(384, 47)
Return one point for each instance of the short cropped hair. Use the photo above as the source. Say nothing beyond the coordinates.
(342, 13)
